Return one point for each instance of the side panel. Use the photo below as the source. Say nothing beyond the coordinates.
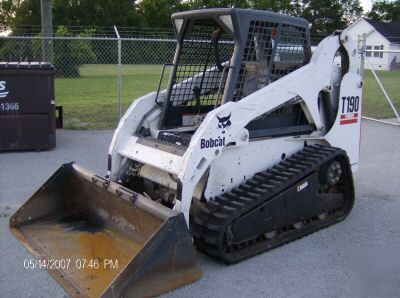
(125, 132)
(238, 164)
(345, 132)
(24, 132)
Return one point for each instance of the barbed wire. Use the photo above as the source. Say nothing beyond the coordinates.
(33, 30)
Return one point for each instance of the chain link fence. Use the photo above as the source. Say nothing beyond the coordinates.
(98, 77)
(381, 60)
(90, 85)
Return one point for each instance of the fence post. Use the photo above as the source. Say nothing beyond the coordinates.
(47, 30)
(119, 72)
(362, 53)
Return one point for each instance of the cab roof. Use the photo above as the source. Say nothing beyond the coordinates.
(241, 15)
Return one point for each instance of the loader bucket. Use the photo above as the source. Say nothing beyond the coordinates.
(97, 238)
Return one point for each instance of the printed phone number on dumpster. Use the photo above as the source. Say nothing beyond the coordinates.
(9, 106)
(65, 264)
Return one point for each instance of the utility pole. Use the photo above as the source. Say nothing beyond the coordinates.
(47, 30)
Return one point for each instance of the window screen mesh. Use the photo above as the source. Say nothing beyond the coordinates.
(198, 59)
(272, 51)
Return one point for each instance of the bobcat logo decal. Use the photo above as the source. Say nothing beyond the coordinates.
(224, 122)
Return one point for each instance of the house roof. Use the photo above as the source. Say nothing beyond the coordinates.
(391, 31)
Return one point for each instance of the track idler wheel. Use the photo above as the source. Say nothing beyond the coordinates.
(331, 173)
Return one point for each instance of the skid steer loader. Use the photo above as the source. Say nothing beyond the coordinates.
(252, 145)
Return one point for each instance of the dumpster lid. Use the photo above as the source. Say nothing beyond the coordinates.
(26, 65)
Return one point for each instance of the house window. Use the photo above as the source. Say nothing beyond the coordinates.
(368, 54)
(376, 54)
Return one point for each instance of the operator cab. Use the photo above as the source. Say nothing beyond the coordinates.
(225, 55)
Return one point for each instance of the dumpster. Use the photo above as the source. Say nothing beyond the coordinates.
(27, 107)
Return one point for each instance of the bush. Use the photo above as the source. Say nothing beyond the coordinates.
(69, 54)
(15, 50)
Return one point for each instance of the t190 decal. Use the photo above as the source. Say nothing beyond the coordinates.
(350, 107)
(350, 104)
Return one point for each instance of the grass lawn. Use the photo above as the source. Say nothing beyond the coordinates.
(375, 104)
(91, 102)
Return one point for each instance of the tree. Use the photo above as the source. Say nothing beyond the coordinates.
(68, 54)
(386, 11)
(199, 4)
(27, 12)
(73, 13)
(7, 11)
(325, 16)
(158, 13)
(284, 6)
(107, 13)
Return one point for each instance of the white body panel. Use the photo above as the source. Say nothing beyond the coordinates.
(237, 164)
(230, 165)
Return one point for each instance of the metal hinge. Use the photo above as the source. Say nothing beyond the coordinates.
(126, 194)
(103, 182)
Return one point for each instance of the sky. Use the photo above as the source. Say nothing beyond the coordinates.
(366, 4)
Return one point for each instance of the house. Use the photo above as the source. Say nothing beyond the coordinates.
(379, 36)
(4, 31)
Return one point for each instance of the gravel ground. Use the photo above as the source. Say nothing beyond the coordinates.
(323, 264)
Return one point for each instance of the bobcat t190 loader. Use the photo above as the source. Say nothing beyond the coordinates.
(252, 145)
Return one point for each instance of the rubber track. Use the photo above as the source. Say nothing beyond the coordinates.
(210, 221)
